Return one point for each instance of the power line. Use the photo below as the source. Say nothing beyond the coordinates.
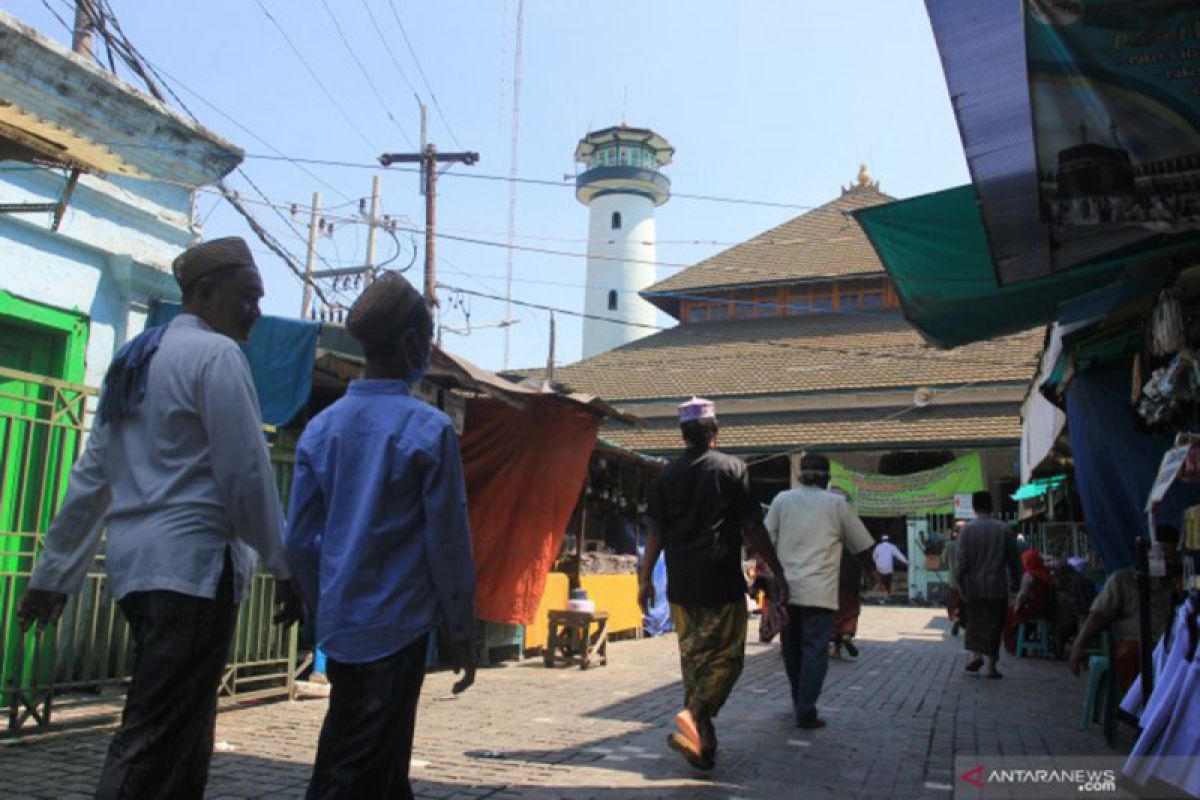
(560, 184)
(55, 14)
(270, 241)
(483, 176)
(420, 71)
(943, 392)
(391, 53)
(337, 26)
(316, 79)
(139, 64)
(762, 280)
(767, 304)
(241, 126)
(792, 346)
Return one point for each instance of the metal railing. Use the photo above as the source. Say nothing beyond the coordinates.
(88, 655)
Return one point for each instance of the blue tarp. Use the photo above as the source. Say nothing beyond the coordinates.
(1116, 463)
(281, 353)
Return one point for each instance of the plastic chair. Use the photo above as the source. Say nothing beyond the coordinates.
(1040, 645)
(1099, 681)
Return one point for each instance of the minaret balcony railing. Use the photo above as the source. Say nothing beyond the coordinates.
(599, 181)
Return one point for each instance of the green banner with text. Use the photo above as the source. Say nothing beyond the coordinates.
(928, 492)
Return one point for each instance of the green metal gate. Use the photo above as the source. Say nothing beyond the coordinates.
(43, 422)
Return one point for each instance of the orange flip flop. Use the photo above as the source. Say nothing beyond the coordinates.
(688, 729)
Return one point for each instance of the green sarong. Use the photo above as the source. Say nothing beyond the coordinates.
(712, 651)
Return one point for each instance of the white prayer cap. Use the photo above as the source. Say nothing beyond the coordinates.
(697, 408)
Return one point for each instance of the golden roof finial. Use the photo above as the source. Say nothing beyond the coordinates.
(864, 176)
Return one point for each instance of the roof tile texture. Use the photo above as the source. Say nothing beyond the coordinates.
(817, 353)
(823, 243)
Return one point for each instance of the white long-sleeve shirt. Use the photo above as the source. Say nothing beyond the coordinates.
(180, 479)
(886, 555)
(809, 526)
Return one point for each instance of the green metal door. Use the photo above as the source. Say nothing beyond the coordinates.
(24, 460)
(41, 425)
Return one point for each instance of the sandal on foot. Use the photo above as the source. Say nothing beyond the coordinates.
(681, 745)
(689, 730)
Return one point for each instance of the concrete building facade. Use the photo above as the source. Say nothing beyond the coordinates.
(97, 191)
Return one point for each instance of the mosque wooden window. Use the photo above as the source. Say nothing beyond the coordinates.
(770, 303)
(612, 299)
(846, 296)
(616, 220)
(801, 300)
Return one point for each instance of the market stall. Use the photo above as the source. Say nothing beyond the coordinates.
(607, 531)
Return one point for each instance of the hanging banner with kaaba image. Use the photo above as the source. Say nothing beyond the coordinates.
(1115, 92)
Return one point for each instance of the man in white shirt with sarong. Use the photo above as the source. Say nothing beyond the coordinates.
(176, 470)
(809, 526)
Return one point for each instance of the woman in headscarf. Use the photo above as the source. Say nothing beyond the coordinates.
(1035, 600)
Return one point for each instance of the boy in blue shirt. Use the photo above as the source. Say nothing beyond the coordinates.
(378, 539)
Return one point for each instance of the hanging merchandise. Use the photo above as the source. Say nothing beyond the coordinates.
(1170, 716)
(1167, 334)
(1168, 388)
(1190, 471)
(1191, 522)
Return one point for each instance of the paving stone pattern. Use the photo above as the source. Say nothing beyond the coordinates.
(897, 716)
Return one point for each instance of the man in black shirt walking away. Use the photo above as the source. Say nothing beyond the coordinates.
(700, 510)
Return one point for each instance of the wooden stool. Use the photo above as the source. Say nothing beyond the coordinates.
(572, 638)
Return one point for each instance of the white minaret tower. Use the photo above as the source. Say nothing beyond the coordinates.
(621, 186)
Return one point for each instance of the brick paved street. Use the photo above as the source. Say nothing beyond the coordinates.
(896, 716)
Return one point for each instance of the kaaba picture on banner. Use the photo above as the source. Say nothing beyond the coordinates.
(1115, 92)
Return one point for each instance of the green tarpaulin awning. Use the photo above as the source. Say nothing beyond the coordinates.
(1039, 487)
(935, 248)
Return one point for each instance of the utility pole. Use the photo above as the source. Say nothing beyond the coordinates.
(431, 176)
(429, 158)
(550, 359)
(372, 224)
(81, 36)
(366, 271)
(310, 262)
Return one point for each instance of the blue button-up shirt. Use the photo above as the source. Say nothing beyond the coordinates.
(377, 531)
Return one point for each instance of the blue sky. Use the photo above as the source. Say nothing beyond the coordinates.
(776, 101)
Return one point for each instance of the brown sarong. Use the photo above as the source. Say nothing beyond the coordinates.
(845, 621)
(986, 630)
(955, 606)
